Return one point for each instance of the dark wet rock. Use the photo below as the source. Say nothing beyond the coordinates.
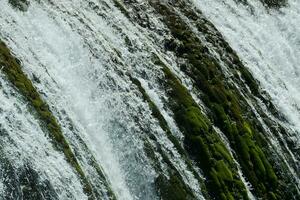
(24, 183)
(21, 5)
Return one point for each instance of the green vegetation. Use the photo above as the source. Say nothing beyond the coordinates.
(162, 122)
(203, 143)
(163, 184)
(227, 111)
(172, 188)
(12, 70)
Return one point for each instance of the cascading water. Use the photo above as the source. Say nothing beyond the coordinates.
(142, 120)
(18, 149)
(268, 42)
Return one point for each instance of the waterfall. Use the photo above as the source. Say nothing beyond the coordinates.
(267, 41)
(153, 100)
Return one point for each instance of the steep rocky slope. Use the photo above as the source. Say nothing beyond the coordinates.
(139, 100)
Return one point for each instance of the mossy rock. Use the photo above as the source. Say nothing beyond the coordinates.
(13, 71)
(171, 188)
(201, 140)
(21, 5)
(223, 151)
(162, 182)
(193, 120)
(274, 3)
(223, 171)
(228, 108)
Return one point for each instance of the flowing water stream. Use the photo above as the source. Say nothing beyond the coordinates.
(95, 64)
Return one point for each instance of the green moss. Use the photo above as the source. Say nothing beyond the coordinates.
(14, 73)
(247, 129)
(150, 152)
(215, 180)
(172, 188)
(272, 196)
(201, 141)
(223, 171)
(193, 121)
(260, 168)
(244, 149)
(227, 106)
(222, 150)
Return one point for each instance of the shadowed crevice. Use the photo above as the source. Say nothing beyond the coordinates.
(21, 5)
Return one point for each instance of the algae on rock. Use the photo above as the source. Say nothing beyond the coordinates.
(11, 67)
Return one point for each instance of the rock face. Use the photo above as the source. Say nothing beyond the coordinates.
(135, 100)
(274, 3)
(21, 5)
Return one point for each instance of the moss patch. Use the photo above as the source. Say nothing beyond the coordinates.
(12, 70)
(202, 142)
(164, 185)
(172, 188)
(227, 110)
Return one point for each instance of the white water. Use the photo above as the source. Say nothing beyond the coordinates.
(72, 50)
(79, 53)
(268, 42)
(231, 151)
(70, 65)
(24, 143)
